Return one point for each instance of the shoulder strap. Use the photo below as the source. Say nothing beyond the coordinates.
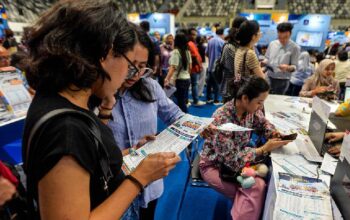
(222, 51)
(93, 129)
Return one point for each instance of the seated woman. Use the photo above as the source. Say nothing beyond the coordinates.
(234, 151)
(321, 81)
(141, 97)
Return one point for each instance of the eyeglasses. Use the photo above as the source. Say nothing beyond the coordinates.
(133, 70)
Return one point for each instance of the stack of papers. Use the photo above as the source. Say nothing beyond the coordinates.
(302, 197)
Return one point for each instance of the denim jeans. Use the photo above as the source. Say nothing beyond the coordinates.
(293, 90)
(162, 77)
(133, 212)
(181, 94)
(194, 85)
(212, 84)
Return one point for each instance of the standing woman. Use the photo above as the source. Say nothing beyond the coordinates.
(228, 58)
(142, 98)
(179, 71)
(80, 48)
(165, 51)
(246, 61)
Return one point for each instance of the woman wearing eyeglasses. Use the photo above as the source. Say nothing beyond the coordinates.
(140, 101)
(73, 57)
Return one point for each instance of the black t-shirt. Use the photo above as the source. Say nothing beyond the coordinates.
(68, 135)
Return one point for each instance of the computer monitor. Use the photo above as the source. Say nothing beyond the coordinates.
(309, 39)
(347, 93)
(340, 188)
(317, 131)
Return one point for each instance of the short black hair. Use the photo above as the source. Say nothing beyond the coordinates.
(190, 30)
(252, 88)
(343, 55)
(246, 32)
(145, 26)
(219, 31)
(69, 41)
(285, 27)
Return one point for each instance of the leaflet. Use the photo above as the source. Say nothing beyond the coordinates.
(175, 138)
(232, 127)
(300, 197)
(13, 94)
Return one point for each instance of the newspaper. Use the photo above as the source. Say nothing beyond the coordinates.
(175, 138)
(300, 197)
(14, 97)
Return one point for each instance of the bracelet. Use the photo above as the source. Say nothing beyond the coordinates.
(103, 116)
(105, 108)
(135, 181)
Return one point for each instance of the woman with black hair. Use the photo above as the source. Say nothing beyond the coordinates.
(235, 150)
(228, 58)
(179, 70)
(80, 48)
(246, 61)
(140, 101)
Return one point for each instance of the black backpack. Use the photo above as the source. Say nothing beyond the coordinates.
(219, 67)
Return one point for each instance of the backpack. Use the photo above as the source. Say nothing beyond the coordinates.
(219, 67)
(94, 130)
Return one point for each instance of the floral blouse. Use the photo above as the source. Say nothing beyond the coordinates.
(232, 148)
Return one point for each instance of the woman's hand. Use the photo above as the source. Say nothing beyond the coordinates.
(209, 131)
(7, 190)
(334, 151)
(155, 166)
(108, 102)
(334, 136)
(273, 144)
(320, 89)
(144, 140)
(166, 82)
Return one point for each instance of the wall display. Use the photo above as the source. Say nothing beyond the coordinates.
(309, 39)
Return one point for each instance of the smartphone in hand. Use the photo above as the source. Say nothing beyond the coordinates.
(289, 137)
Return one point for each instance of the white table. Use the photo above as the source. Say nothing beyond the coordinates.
(300, 106)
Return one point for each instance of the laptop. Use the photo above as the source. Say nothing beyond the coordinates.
(317, 131)
(340, 188)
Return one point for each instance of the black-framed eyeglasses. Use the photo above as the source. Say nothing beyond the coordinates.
(134, 70)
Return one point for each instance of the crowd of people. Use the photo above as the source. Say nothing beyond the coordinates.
(114, 73)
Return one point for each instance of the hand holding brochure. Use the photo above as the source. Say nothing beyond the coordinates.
(175, 138)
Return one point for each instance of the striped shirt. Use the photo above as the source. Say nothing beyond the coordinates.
(251, 62)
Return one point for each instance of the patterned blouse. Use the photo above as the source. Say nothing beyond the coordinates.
(232, 148)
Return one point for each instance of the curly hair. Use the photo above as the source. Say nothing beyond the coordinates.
(69, 41)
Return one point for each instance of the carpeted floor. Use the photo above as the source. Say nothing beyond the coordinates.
(181, 200)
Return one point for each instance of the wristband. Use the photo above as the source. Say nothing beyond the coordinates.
(103, 116)
(135, 181)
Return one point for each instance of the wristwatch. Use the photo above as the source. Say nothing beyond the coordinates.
(264, 152)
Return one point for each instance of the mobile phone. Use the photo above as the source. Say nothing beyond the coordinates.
(289, 137)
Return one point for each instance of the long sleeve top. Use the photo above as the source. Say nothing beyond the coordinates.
(233, 148)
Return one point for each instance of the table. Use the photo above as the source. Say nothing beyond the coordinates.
(300, 108)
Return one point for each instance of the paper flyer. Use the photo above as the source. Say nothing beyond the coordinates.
(14, 96)
(232, 127)
(175, 138)
(302, 197)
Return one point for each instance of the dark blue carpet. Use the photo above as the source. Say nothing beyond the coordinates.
(181, 200)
